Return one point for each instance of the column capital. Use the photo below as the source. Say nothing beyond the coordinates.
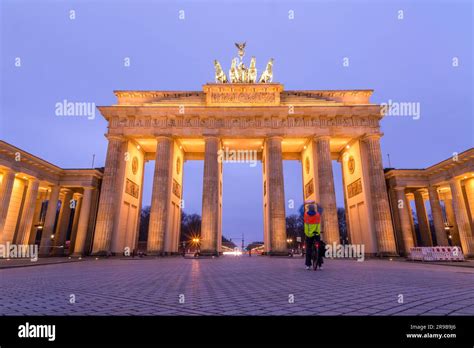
(322, 137)
(88, 188)
(399, 188)
(211, 136)
(371, 136)
(453, 180)
(164, 136)
(114, 137)
(33, 180)
(274, 137)
(7, 170)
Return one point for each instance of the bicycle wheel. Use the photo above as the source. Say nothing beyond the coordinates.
(315, 258)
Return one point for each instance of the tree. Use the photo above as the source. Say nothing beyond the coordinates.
(190, 226)
(341, 221)
(144, 223)
(294, 226)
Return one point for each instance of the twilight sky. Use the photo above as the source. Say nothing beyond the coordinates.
(82, 59)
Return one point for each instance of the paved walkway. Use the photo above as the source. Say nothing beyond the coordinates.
(236, 286)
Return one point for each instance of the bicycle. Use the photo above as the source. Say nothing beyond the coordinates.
(316, 257)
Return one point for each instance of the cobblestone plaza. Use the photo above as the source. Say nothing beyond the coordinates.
(236, 286)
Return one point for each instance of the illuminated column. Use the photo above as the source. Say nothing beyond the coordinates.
(49, 220)
(42, 196)
(448, 204)
(404, 210)
(276, 197)
(108, 201)
(83, 222)
(327, 194)
(6, 188)
(378, 193)
(469, 188)
(26, 219)
(63, 224)
(462, 219)
(437, 214)
(78, 198)
(210, 198)
(160, 199)
(422, 218)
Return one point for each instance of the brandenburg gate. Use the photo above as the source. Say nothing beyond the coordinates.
(75, 212)
(241, 113)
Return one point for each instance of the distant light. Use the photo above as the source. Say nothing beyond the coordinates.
(80, 258)
(96, 258)
(138, 147)
(25, 177)
(348, 146)
(465, 177)
(304, 147)
(235, 253)
(52, 236)
(180, 147)
(390, 259)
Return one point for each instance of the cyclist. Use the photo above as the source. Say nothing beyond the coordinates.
(312, 228)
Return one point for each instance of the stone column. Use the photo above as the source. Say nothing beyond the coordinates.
(107, 203)
(412, 221)
(26, 219)
(49, 220)
(448, 204)
(462, 219)
(63, 224)
(423, 224)
(276, 197)
(327, 194)
(210, 198)
(404, 210)
(160, 199)
(36, 216)
(469, 188)
(78, 197)
(437, 214)
(6, 188)
(378, 193)
(83, 222)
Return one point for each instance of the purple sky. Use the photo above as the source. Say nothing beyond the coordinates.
(407, 60)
